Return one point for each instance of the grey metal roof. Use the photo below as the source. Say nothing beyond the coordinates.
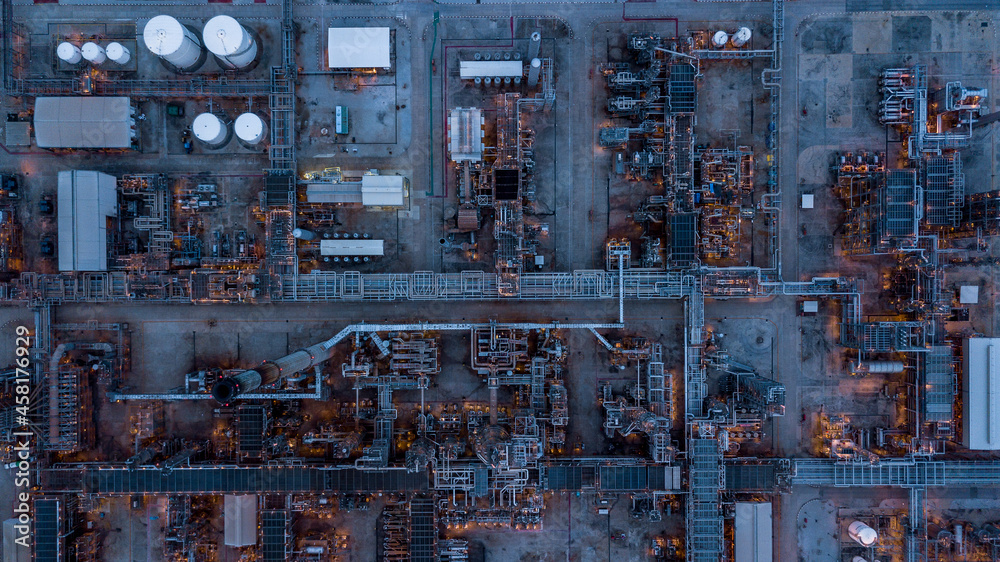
(83, 122)
(85, 200)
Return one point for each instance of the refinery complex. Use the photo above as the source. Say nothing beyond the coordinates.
(387, 281)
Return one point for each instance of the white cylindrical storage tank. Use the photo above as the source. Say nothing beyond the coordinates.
(93, 52)
(534, 45)
(858, 559)
(171, 41)
(720, 39)
(303, 234)
(69, 53)
(234, 46)
(862, 533)
(210, 130)
(118, 53)
(533, 70)
(742, 36)
(250, 128)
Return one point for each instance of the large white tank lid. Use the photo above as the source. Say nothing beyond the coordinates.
(249, 126)
(91, 50)
(720, 38)
(163, 35)
(223, 35)
(115, 50)
(207, 127)
(66, 50)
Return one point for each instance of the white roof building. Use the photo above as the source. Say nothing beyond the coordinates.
(84, 122)
(382, 191)
(240, 514)
(981, 394)
(351, 247)
(754, 538)
(469, 69)
(85, 201)
(359, 47)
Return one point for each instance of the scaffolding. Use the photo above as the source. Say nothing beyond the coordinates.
(704, 518)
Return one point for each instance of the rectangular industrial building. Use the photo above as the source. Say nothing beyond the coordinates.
(240, 520)
(359, 47)
(754, 535)
(469, 69)
(465, 134)
(382, 191)
(351, 247)
(85, 201)
(981, 394)
(84, 122)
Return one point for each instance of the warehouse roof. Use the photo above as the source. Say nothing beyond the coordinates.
(754, 536)
(85, 200)
(83, 122)
(981, 394)
(383, 191)
(240, 514)
(359, 47)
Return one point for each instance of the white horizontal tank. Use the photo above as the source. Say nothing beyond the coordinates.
(93, 52)
(166, 38)
(720, 39)
(250, 128)
(234, 46)
(742, 36)
(210, 130)
(862, 533)
(118, 53)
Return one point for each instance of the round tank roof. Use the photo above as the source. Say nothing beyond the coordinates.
(115, 51)
(163, 35)
(67, 51)
(249, 126)
(223, 35)
(207, 127)
(720, 38)
(91, 50)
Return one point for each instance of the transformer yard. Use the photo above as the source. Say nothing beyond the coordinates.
(399, 281)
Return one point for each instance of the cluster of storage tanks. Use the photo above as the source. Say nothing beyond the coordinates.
(94, 53)
(721, 39)
(234, 46)
(215, 132)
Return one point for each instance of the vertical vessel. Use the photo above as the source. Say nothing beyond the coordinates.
(211, 130)
(69, 53)
(533, 71)
(250, 128)
(534, 45)
(742, 36)
(231, 43)
(720, 39)
(118, 53)
(93, 52)
(172, 42)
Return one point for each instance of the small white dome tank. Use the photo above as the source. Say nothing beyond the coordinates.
(250, 128)
(303, 234)
(210, 130)
(862, 533)
(230, 42)
(171, 41)
(118, 53)
(69, 53)
(742, 36)
(93, 52)
(858, 559)
(720, 39)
